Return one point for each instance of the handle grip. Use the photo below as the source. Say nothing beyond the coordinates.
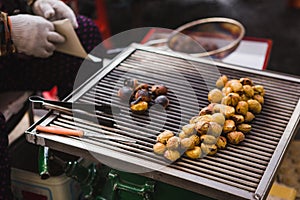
(60, 131)
(43, 163)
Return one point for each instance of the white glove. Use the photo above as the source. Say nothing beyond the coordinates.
(54, 10)
(34, 35)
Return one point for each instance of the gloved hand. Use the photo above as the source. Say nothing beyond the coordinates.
(54, 10)
(34, 35)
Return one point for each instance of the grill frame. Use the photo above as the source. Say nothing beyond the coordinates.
(167, 174)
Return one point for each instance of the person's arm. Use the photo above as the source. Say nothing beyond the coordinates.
(27, 34)
(34, 35)
(6, 44)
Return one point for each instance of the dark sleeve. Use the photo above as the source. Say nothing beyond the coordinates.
(13, 7)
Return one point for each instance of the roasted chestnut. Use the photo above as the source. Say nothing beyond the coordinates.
(195, 139)
(235, 137)
(208, 139)
(229, 126)
(162, 100)
(246, 81)
(159, 90)
(242, 107)
(172, 155)
(215, 96)
(245, 128)
(194, 153)
(195, 119)
(259, 89)
(226, 90)
(249, 117)
(227, 111)
(131, 82)
(228, 84)
(248, 91)
(231, 99)
(189, 129)
(141, 86)
(164, 136)
(254, 106)
(202, 127)
(238, 119)
(182, 135)
(244, 97)
(125, 93)
(143, 94)
(220, 83)
(140, 107)
(221, 142)
(209, 149)
(206, 110)
(259, 98)
(173, 142)
(159, 148)
(214, 129)
(218, 118)
(187, 143)
(236, 86)
(205, 118)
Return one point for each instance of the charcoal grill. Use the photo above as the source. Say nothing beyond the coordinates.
(245, 171)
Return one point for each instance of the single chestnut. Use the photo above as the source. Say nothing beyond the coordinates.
(141, 86)
(140, 107)
(143, 94)
(159, 90)
(246, 81)
(162, 100)
(159, 148)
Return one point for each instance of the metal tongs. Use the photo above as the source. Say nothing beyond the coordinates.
(79, 108)
(64, 106)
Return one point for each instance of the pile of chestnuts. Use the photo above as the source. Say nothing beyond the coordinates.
(141, 96)
(233, 105)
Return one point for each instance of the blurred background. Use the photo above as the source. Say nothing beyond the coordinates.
(278, 20)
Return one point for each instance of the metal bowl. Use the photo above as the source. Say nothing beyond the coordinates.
(216, 37)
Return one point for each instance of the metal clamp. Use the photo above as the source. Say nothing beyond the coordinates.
(145, 191)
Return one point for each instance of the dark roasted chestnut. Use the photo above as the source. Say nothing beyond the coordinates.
(125, 93)
(131, 82)
(143, 94)
(246, 81)
(162, 100)
(159, 90)
(141, 86)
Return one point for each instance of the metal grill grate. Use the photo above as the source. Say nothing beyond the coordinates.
(244, 171)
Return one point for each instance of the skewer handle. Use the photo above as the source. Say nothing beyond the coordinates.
(60, 131)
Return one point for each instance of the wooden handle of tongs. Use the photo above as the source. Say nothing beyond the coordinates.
(60, 131)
